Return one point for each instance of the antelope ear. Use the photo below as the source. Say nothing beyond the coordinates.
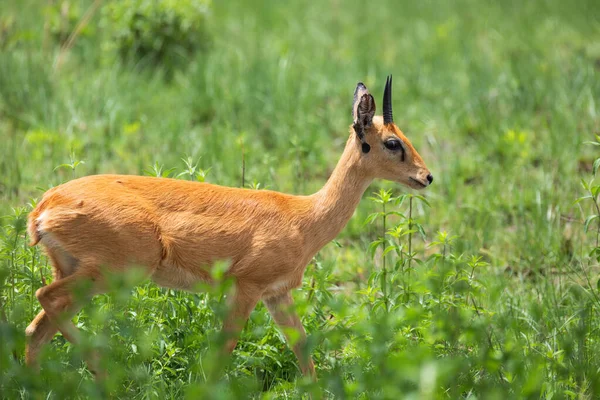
(363, 111)
(363, 108)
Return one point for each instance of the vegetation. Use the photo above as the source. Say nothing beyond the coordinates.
(487, 287)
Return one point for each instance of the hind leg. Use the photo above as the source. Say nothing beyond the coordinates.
(52, 319)
(61, 300)
(41, 330)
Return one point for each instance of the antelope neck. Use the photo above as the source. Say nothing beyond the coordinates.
(334, 204)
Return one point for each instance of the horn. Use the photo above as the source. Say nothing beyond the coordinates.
(387, 102)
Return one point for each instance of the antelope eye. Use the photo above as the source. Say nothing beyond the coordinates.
(393, 144)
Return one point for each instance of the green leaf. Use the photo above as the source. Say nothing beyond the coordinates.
(400, 199)
(63, 166)
(372, 217)
(373, 247)
(596, 166)
(423, 199)
(419, 262)
(388, 249)
(585, 185)
(595, 253)
(582, 198)
(378, 304)
(421, 231)
(587, 222)
(399, 214)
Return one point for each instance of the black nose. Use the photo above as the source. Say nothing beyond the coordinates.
(430, 178)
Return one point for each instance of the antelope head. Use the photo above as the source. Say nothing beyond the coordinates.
(386, 152)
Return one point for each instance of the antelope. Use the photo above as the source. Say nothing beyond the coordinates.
(177, 230)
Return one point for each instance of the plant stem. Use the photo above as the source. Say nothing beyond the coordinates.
(13, 267)
(243, 166)
(384, 277)
(31, 278)
(595, 199)
(410, 208)
(85, 19)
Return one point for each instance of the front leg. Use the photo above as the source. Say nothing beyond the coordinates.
(282, 310)
(241, 305)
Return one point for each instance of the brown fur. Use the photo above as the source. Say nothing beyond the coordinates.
(177, 229)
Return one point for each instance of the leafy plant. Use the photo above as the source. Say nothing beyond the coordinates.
(192, 170)
(158, 170)
(593, 195)
(163, 33)
(72, 164)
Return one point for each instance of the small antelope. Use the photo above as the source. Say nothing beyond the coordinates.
(176, 230)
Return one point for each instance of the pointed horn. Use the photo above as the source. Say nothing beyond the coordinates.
(387, 102)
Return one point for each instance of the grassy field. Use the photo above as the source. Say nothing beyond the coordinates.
(497, 295)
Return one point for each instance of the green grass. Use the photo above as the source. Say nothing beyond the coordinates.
(498, 98)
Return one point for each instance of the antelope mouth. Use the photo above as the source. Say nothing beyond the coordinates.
(419, 183)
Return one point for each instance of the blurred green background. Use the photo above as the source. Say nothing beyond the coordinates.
(497, 295)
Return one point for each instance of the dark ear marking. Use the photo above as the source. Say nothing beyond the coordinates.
(359, 129)
(363, 111)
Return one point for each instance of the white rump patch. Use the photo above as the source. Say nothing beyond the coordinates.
(46, 238)
(41, 218)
